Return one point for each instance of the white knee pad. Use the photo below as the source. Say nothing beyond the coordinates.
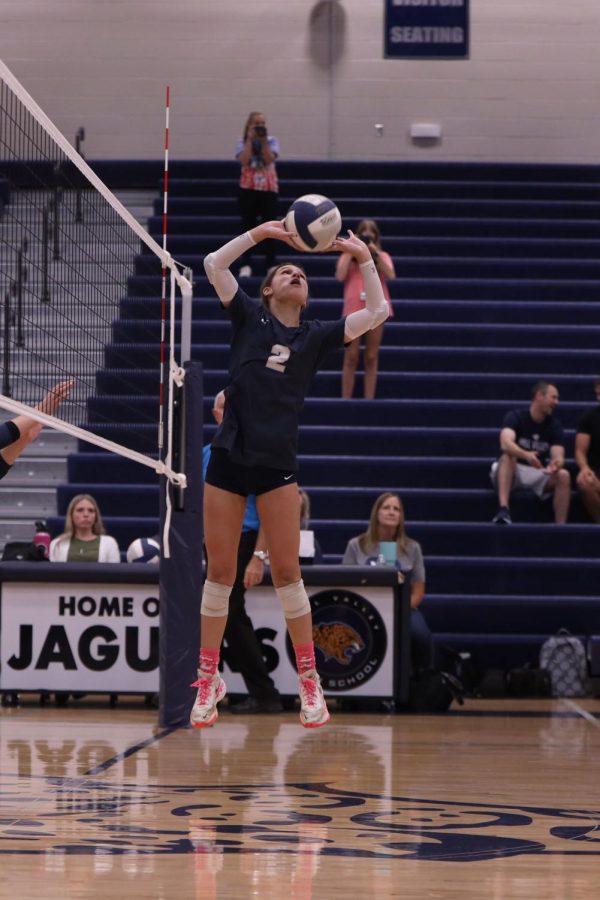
(294, 600)
(215, 599)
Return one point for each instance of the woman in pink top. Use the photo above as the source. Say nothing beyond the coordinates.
(258, 195)
(347, 270)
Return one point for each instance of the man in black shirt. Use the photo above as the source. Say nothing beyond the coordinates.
(587, 457)
(532, 442)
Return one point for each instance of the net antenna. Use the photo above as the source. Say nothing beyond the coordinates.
(68, 249)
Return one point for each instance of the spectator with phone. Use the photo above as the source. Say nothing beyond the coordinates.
(258, 194)
(348, 271)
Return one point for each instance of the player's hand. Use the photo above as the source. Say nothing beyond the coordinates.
(275, 230)
(352, 245)
(254, 572)
(55, 396)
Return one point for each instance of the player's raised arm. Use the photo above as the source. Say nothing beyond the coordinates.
(24, 429)
(217, 263)
(376, 309)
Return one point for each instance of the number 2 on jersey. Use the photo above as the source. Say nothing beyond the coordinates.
(278, 358)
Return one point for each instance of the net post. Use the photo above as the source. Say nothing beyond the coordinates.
(181, 574)
(186, 318)
(6, 346)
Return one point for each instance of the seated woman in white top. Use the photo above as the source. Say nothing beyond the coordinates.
(310, 549)
(83, 539)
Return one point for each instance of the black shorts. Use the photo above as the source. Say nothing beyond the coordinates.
(245, 480)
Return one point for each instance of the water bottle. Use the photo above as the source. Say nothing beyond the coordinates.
(41, 540)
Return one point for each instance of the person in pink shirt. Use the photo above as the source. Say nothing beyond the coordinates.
(347, 270)
(258, 195)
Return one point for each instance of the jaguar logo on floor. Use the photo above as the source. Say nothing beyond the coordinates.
(79, 815)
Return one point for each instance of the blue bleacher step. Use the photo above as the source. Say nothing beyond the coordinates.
(439, 358)
(514, 387)
(512, 613)
(479, 575)
(410, 246)
(206, 190)
(400, 333)
(410, 227)
(407, 310)
(422, 504)
(426, 288)
(395, 411)
(228, 221)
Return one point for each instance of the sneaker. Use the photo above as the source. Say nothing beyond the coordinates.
(211, 690)
(245, 272)
(313, 709)
(502, 517)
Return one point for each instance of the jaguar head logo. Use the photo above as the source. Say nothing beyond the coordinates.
(338, 641)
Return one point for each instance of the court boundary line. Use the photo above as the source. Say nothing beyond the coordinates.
(584, 713)
(135, 748)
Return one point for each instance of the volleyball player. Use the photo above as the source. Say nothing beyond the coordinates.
(19, 432)
(274, 355)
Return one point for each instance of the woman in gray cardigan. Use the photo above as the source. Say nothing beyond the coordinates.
(386, 524)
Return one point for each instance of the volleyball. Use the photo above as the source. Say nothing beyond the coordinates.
(316, 221)
(144, 550)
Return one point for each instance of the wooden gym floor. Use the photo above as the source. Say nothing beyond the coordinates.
(497, 799)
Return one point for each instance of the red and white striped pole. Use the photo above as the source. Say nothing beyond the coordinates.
(163, 298)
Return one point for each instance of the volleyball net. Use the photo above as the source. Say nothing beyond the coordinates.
(68, 251)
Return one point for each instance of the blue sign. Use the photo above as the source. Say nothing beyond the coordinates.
(422, 29)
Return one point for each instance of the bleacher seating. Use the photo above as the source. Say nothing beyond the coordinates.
(498, 277)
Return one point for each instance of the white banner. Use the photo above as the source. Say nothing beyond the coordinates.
(104, 637)
(79, 637)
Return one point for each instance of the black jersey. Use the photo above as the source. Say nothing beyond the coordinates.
(270, 370)
(532, 435)
(590, 424)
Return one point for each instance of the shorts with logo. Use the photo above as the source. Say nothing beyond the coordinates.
(526, 478)
(244, 480)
